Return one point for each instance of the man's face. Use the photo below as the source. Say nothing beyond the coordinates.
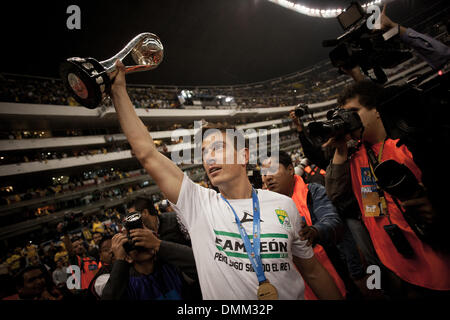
(97, 237)
(369, 118)
(78, 247)
(221, 161)
(281, 180)
(106, 254)
(33, 283)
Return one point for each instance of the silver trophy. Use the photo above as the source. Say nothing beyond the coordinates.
(89, 80)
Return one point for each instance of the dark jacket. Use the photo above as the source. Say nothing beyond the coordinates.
(175, 277)
(324, 216)
(339, 189)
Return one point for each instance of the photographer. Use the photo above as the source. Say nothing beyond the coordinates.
(347, 207)
(407, 258)
(166, 223)
(138, 273)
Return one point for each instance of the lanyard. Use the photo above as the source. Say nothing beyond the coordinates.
(380, 155)
(252, 250)
(374, 162)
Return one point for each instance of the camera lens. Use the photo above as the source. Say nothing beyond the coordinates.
(299, 112)
(397, 180)
(133, 221)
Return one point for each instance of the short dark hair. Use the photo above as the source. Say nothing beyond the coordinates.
(141, 203)
(367, 92)
(18, 278)
(104, 238)
(223, 128)
(283, 158)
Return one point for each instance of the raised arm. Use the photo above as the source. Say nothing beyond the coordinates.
(166, 174)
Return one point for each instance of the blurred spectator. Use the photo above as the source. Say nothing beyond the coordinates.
(59, 275)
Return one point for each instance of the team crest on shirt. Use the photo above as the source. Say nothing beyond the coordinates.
(283, 218)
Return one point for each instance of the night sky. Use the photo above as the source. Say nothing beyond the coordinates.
(206, 42)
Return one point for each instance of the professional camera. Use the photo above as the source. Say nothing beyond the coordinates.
(302, 109)
(398, 181)
(360, 46)
(132, 221)
(417, 114)
(340, 122)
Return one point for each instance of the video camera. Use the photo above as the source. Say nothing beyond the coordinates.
(340, 122)
(302, 109)
(361, 46)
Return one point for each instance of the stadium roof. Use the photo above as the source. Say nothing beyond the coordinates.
(206, 42)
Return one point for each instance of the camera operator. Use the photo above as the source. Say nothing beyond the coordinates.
(138, 272)
(347, 208)
(315, 153)
(398, 247)
(325, 227)
(432, 51)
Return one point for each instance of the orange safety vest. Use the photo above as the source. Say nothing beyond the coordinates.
(88, 268)
(300, 196)
(428, 268)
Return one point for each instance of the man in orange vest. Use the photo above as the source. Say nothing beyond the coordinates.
(321, 222)
(423, 272)
(78, 256)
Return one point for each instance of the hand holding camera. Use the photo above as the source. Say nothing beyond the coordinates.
(117, 246)
(145, 238)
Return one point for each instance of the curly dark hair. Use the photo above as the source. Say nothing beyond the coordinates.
(367, 92)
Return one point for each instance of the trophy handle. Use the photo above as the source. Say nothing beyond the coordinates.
(139, 68)
(110, 65)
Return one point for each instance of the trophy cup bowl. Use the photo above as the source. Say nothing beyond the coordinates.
(88, 80)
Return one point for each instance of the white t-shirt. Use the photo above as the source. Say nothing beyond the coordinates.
(223, 267)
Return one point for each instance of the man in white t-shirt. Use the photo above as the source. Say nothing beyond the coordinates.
(223, 265)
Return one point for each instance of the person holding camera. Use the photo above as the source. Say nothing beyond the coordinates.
(218, 234)
(354, 232)
(420, 270)
(166, 223)
(138, 273)
(315, 153)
